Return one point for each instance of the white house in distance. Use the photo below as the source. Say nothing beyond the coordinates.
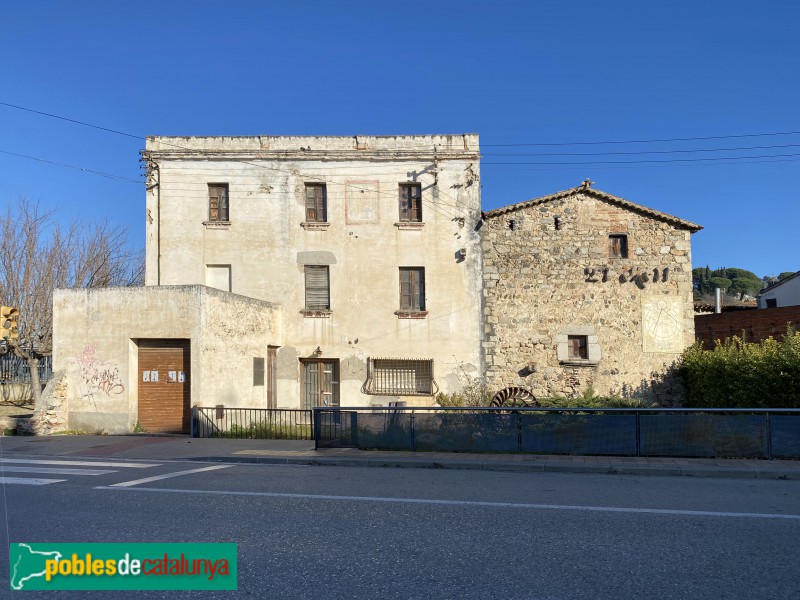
(285, 272)
(785, 292)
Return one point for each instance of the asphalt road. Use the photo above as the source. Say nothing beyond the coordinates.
(330, 532)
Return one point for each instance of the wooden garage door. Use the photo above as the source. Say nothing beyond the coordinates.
(164, 386)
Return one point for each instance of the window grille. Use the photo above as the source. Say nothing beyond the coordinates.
(400, 377)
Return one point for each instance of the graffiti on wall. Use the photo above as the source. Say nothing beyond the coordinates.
(96, 376)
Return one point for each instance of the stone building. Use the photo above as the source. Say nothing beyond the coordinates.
(584, 289)
(348, 270)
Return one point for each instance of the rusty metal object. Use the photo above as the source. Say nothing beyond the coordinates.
(514, 396)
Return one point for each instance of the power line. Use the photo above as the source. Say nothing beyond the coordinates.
(139, 137)
(623, 165)
(38, 112)
(651, 141)
(640, 152)
(633, 162)
(457, 204)
(85, 170)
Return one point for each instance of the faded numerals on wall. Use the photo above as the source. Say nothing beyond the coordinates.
(638, 275)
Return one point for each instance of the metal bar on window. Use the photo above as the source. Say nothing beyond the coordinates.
(401, 377)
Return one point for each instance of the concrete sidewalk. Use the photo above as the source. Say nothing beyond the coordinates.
(152, 447)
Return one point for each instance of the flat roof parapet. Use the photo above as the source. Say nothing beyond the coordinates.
(311, 147)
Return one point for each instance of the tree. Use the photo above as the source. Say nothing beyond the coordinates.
(38, 255)
(735, 281)
(720, 282)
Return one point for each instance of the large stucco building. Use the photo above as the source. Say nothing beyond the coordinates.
(348, 270)
(583, 289)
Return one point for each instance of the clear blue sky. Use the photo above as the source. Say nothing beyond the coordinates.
(538, 72)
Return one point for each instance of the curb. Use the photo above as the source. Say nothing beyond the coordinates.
(645, 470)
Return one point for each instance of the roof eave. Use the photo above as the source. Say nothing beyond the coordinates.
(692, 227)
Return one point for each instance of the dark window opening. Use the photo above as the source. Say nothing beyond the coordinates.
(412, 288)
(258, 371)
(772, 303)
(316, 203)
(577, 347)
(618, 246)
(411, 202)
(218, 202)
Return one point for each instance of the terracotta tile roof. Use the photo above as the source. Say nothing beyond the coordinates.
(581, 189)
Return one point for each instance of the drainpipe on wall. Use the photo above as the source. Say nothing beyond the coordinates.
(158, 235)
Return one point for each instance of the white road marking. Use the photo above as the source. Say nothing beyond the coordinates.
(27, 481)
(612, 509)
(51, 471)
(79, 463)
(127, 484)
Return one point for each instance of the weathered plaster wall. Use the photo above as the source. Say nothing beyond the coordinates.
(547, 275)
(95, 339)
(267, 246)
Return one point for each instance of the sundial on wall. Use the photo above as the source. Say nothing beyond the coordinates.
(662, 324)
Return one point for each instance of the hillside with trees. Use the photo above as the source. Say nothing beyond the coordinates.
(734, 282)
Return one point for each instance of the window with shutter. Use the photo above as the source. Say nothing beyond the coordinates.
(258, 371)
(317, 288)
(411, 202)
(577, 347)
(218, 202)
(618, 246)
(316, 203)
(412, 288)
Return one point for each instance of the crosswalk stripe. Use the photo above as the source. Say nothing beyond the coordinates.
(168, 475)
(27, 481)
(49, 471)
(79, 463)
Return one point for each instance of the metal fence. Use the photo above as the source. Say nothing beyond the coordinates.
(252, 423)
(14, 369)
(713, 433)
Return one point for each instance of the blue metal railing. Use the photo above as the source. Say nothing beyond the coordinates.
(252, 423)
(14, 369)
(713, 433)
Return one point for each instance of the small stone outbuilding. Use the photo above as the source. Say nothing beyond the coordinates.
(583, 289)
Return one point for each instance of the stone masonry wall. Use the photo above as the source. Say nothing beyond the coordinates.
(548, 275)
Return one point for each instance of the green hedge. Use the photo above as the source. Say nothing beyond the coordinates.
(740, 374)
